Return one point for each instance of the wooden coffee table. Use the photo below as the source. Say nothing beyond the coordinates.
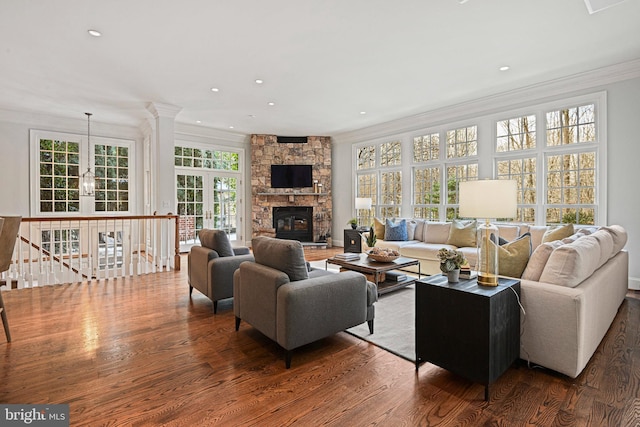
(374, 268)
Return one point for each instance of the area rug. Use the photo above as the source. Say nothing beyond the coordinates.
(394, 324)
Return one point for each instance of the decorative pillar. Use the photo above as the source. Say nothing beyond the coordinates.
(162, 157)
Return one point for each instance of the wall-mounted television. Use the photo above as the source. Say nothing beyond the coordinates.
(291, 176)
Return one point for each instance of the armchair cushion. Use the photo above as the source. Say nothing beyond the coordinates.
(280, 254)
(216, 240)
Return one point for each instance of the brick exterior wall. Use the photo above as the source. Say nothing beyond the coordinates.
(265, 151)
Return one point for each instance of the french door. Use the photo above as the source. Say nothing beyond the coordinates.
(208, 200)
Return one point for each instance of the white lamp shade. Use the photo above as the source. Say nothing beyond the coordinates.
(488, 198)
(363, 203)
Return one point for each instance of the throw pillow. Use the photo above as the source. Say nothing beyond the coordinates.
(216, 240)
(411, 229)
(283, 255)
(462, 235)
(378, 228)
(513, 256)
(395, 231)
(538, 260)
(558, 233)
(572, 263)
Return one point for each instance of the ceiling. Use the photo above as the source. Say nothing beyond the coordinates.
(323, 62)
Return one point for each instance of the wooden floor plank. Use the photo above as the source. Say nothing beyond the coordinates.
(141, 352)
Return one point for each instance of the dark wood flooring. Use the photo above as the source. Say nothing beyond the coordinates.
(140, 352)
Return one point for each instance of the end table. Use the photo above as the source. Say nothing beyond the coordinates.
(471, 330)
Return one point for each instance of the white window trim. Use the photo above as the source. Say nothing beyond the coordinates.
(87, 204)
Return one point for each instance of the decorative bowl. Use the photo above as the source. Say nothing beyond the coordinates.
(382, 258)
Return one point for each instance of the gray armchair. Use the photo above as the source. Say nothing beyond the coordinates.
(278, 296)
(212, 264)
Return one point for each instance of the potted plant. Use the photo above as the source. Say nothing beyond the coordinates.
(353, 222)
(371, 238)
(450, 263)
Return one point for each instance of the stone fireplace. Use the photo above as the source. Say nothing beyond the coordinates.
(267, 151)
(293, 222)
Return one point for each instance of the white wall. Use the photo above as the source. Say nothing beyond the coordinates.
(15, 149)
(623, 155)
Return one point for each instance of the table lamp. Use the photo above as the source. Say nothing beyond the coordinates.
(488, 198)
(362, 203)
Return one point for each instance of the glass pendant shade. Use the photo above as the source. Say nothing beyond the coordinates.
(488, 199)
(88, 183)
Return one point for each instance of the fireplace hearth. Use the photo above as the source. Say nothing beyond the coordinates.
(293, 222)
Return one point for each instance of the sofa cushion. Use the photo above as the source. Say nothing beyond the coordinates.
(378, 228)
(538, 260)
(513, 256)
(216, 240)
(537, 233)
(424, 250)
(508, 232)
(619, 236)
(412, 224)
(557, 233)
(570, 264)
(605, 240)
(395, 231)
(283, 255)
(418, 234)
(436, 232)
(461, 234)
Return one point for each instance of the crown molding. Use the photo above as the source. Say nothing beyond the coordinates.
(190, 131)
(535, 93)
(159, 109)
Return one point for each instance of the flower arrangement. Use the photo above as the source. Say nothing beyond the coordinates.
(450, 259)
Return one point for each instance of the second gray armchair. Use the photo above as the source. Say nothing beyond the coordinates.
(212, 264)
(278, 296)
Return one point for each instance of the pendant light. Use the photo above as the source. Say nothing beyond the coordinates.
(88, 179)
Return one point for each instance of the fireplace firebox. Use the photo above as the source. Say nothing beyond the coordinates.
(293, 222)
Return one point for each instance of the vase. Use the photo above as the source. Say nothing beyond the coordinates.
(354, 226)
(454, 275)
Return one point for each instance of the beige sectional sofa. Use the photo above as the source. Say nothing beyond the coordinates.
(571, 287)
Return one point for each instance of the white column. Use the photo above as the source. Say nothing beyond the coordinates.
(162, 157)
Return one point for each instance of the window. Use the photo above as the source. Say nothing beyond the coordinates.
(523, 171)
(61, 242)
(426, 148)
(206, 159)
(516, 134)
(462, 142)
(456, 174)
(384, 185)
(58, 161)
(571, 125)
(571, 184)
(426, 193)
(555, 152)
(112, 178)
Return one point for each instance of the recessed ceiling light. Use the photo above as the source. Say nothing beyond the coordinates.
(230, 127)
(94, 33)
(259, 81)
(363, 112)
(215, 89)
(198, 121)
(252, 115)
(271, 104)
(504, 68)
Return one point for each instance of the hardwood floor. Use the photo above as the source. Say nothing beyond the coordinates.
(140, 352)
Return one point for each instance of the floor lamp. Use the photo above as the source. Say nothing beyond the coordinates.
(362, 203)
(488, 198)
